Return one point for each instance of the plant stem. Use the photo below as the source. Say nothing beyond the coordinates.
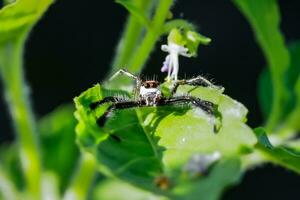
(129, 39)
(83, 178)
(141, 55)
(18, 101)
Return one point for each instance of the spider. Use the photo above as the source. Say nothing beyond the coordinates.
(148, 93)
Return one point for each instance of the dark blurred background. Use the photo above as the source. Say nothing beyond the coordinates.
(72, 46)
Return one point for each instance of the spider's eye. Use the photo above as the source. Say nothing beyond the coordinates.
(146, 85)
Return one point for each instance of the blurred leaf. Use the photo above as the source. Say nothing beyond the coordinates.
(135, 11)
(105, 190)
(140, 145)
(264, 17)
(265, 92)
(7, 187)
(265, 88)
(226, 173)
(17, 18)
(279, 155)
(59, 151)
(11, 164)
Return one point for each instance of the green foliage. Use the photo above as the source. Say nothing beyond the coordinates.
(190, 39)
(264, 17)
(140, 145)
(59, 151)
(105, 188)
(148, 152)
(135, 11)
(278, 155)
(17, 18)
(265, 88)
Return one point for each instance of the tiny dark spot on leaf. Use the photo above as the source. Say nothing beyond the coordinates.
(116, 138)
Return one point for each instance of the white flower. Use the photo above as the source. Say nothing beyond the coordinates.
(171, 63)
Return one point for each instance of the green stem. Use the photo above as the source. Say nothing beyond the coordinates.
(82, 180)
(17, 98)
(141, 55)
(129, 39)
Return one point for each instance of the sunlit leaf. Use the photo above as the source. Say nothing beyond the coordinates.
(140, 145)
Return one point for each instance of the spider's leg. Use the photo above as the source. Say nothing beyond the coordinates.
(94, 105)
(197, 81)
(207, 106)
(124, 72)
(116, 106)
(127, 73)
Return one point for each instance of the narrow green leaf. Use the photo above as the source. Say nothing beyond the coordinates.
(264, 17)
(16, 20)
(136, 12)
(265, 89)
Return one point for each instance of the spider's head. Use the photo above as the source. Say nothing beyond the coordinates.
(150, 92)
(150, 84)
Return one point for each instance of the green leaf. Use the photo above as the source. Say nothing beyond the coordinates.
(140, 145)
(59, 151)
(264, 18)
(136, 12)
(17, 18)
(125, 191)
(278, 155)
(225, 173)
(265, 89)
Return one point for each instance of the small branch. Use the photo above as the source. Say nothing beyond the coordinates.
(141, 55)
(129, 39)
(18, 100)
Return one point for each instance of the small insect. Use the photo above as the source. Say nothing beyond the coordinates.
(148, 93)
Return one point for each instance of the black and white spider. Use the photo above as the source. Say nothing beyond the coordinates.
(148, 93)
